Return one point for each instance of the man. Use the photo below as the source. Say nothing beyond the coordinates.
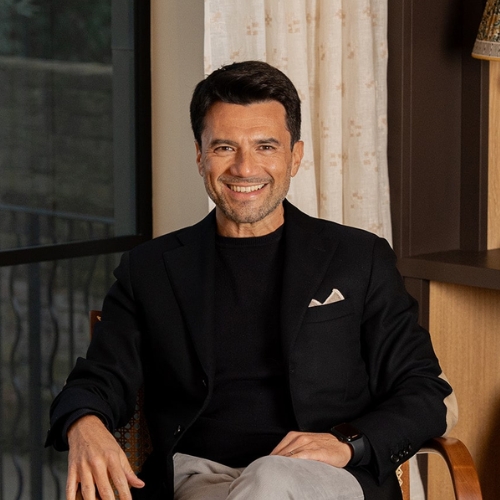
(280, 354)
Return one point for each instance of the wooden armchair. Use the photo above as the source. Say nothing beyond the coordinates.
(460, 466)
(135, 441)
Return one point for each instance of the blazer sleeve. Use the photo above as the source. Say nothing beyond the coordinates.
(412, 401)
(106, 381)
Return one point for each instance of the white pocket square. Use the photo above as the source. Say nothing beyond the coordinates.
(335, 296)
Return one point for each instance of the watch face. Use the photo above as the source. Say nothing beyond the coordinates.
(348, 432)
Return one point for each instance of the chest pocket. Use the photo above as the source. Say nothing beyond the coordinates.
(319, 314)
(326, 354)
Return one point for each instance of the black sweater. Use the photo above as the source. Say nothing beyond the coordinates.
(250, 411)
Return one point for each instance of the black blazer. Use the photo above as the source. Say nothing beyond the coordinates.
(362, 360)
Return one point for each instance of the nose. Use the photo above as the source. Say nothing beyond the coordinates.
(244, 165)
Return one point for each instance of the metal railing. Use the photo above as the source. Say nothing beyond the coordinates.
(43, 328)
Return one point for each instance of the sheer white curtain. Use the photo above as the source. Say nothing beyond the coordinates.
(335, 52)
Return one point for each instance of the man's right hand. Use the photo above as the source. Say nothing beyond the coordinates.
(95, 459)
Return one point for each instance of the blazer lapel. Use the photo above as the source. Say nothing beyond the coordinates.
(191, 268)
(308, 255)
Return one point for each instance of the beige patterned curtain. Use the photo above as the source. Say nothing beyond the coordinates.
(335, 51)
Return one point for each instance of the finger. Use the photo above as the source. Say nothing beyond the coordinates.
(122, 487)
(336, 453)
(284, 444)
(295, 450)
(303, 445)
(130, 475)
(87, 490)
(95, 483)
(287, 451)
(291, 442)
(123, 478)
(318, 454)
(104, 488)
(133, 480)
(72, 486)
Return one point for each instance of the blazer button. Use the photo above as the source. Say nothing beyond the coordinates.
(204, 382)
(178, 431)
(395, 458)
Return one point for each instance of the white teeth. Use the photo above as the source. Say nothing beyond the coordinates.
(246, 189)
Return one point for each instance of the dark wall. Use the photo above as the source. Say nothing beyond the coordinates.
(437, 127)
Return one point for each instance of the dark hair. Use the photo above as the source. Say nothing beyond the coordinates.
(245, 83)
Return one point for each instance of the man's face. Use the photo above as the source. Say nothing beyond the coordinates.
(246, 162)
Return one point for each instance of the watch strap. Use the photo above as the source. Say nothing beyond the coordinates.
(354, 439)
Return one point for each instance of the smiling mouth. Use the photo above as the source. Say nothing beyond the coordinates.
(245, 189)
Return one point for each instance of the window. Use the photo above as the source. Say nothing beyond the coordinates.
(75, 101)
(75, 164)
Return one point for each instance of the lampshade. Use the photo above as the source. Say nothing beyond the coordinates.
(487, 44)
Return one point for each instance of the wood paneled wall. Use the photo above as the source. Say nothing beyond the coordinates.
(494, 158)
(465, 326)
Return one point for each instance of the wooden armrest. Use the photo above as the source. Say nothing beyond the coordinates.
(460, 465)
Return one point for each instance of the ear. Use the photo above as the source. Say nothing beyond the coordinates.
(297, 155)
(198, 158)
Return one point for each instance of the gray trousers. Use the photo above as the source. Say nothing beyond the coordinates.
(268, 478)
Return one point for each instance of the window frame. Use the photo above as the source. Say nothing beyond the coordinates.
(140, 18)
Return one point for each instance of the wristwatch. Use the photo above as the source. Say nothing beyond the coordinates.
(346, 433)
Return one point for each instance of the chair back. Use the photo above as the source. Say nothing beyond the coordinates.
(133, 437)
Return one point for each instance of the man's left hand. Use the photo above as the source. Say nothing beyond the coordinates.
(314, 446)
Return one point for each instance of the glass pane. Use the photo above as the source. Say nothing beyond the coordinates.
(43, 329)
(60, 181)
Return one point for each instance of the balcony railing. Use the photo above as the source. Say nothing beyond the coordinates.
(43, 329)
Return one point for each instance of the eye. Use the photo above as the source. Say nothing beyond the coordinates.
(267, 147)
(223, 149)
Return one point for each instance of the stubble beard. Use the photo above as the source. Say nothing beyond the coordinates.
(247, 213)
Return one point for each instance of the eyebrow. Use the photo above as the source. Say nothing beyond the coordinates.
(271, 140)
(228, 142)
(218, 142)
